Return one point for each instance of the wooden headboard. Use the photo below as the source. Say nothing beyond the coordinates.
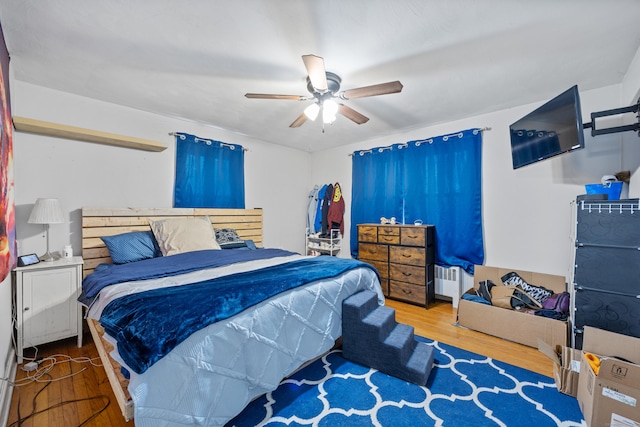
(98, 222)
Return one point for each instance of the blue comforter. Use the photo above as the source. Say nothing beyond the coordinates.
(148, 325)
(110, 274)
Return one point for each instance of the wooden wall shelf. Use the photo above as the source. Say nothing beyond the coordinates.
(23, 124)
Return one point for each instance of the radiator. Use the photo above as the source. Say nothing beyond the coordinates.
(449, 283)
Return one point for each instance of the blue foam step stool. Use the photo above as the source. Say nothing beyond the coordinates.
(372, 337)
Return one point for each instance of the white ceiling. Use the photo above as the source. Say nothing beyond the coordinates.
(196, 59)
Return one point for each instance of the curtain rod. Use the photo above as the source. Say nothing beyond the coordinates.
(224, 144)
(405, 144)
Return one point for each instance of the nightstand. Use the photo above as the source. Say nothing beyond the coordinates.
(45, 302)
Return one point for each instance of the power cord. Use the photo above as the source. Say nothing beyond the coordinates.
(35, 371)
(38, 371)
(33, 412)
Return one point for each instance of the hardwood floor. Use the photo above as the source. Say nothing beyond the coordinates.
(88, 386)
(84, 383)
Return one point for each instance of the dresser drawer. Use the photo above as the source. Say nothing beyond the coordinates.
(407, 255)
(405, 291)
(390, 235)
(411, 236)
(381, 266)
(407, 273)
(370, 251)
(367, 233)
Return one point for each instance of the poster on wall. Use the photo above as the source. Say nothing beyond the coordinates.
(8, 250)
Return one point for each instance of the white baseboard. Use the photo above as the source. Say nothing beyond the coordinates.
(6, 388)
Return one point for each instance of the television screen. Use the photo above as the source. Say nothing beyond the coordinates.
(552, 129)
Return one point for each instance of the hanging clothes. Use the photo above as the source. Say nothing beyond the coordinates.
(312, 207)
(326, 202)
(318, 218)
(335, 216)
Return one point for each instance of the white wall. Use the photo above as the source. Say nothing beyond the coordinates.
(86, 174)
(525, 211)
(630, 94)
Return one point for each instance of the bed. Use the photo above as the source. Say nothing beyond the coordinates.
(178, 353)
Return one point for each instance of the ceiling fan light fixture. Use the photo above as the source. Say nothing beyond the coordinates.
(328, 119)
(329, 111)
(324, 87)
(312, 111)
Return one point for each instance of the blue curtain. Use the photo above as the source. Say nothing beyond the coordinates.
(209, 174)
(438, 181)
(376, 188)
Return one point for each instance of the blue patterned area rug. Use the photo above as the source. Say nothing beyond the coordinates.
(464, 389)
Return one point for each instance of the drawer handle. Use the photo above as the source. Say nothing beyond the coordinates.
(26, 309)
(406, 255)
(406, 291)
(406, 274)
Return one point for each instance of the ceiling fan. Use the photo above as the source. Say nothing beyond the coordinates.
(324, 87)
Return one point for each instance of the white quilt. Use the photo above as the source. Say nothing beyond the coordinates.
(209, 378)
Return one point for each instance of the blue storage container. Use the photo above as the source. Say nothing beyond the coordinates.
(611, 189)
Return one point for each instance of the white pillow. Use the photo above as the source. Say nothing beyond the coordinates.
(175, 236)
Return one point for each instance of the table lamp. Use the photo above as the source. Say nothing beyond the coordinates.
(46, 211)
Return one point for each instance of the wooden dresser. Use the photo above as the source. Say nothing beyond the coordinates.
(404, 255)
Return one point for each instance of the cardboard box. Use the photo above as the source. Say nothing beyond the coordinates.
(566, 366)
(610, 397)
(513, 325)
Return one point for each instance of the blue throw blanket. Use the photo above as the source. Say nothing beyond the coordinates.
(153, 268)
(148, 325)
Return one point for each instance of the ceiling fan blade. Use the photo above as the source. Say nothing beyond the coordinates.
(379, 89)
(352, 114)
(271, 96)
(316, 71)
(299, 121)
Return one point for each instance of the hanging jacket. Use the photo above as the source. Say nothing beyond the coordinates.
(326, 202)
(318, 218)
(336, 209)
(312, 207)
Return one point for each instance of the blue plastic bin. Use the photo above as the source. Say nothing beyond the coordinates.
(611, 189)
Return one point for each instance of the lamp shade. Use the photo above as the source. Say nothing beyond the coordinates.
(329, 110)
(46, 211)
(312, 111)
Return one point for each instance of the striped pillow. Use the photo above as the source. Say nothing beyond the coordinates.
(132, 246)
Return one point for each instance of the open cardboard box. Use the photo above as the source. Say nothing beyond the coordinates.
(566, 366)
(612, 396)
(513, 325)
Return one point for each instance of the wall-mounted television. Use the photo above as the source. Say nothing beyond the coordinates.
(553, 128)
